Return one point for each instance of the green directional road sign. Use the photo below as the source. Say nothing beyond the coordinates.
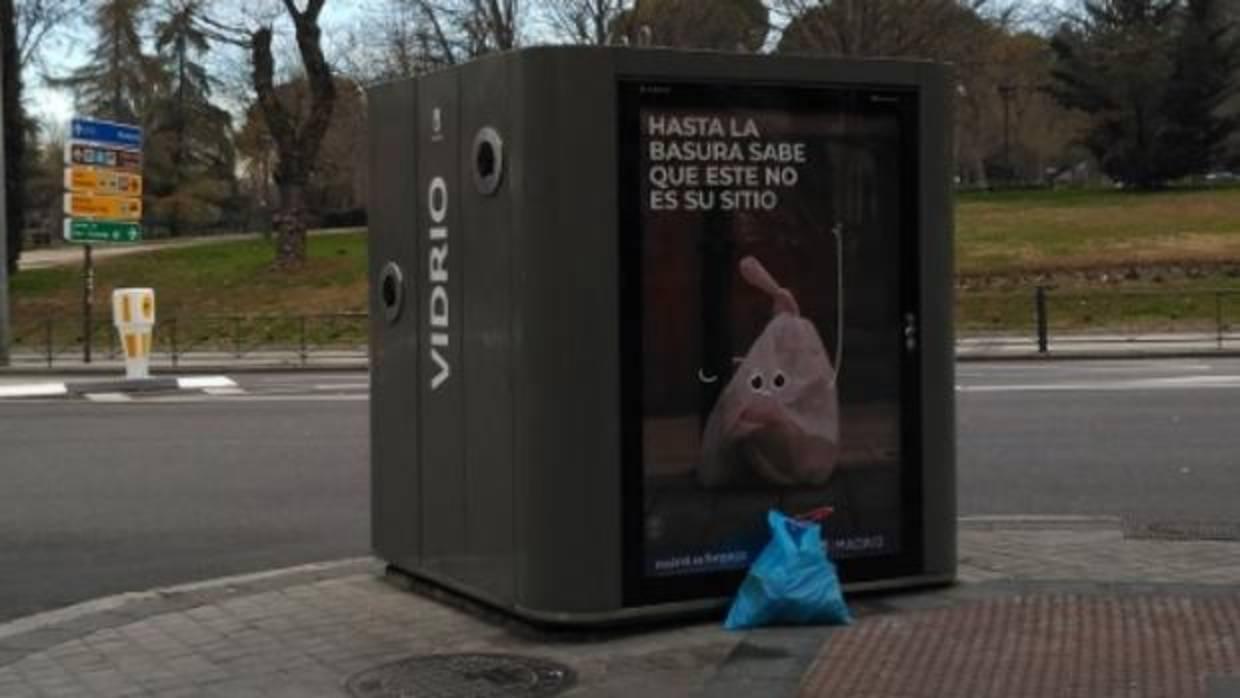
(77, 230)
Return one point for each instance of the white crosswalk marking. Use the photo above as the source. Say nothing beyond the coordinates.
(109, 397)
(224, 391)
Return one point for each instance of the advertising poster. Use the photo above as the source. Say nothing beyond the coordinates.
(765, 303)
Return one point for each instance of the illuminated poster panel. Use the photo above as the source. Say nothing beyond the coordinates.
(766, 243)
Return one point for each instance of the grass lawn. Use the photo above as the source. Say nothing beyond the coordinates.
(1114, 260)
(1047, 231)
(199, 283)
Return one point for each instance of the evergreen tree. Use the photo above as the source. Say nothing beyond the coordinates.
(115, 82)
(1152, 74)
(1207, 57)
(190, 154)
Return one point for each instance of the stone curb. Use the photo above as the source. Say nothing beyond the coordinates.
(30, 634)
(992, 522)
(136, 385)
(1145, 354)
(768, 662)
(240, 367)
(196, 593)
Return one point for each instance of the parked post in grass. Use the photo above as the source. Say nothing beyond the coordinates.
(1039, 311)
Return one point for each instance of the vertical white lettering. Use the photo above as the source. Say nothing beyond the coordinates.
(439, 264)
(439, 307)
(437, 277)
(437, 198)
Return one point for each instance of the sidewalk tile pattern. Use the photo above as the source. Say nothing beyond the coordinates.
(1097, 554)
(1046, 610)
(1068, 646)
(306, 641)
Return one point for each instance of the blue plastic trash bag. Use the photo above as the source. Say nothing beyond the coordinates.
(792, 582)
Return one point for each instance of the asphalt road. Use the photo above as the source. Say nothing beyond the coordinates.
(1153, 440)
(102, 498)
(98, 498)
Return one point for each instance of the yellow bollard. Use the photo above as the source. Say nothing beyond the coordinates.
(133, 313)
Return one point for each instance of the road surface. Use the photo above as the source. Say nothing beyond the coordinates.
(101, 498)
(113, 496)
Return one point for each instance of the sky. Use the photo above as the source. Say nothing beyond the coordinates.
(52, 105)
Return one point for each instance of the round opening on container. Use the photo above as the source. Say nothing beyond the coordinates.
(488, 161)
(392, 291)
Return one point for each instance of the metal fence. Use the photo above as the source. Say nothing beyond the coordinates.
(1041, 319)
(294, 339)
(1049, 319)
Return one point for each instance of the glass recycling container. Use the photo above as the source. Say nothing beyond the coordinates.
(625, 301)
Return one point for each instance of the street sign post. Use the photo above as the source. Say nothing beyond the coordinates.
(103, 195)
(101, 231)
(106, 133)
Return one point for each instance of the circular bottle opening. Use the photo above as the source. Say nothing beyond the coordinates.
(392, 291)
(488, 161)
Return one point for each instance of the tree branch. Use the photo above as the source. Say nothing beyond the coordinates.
(278, 122)
(319, 77)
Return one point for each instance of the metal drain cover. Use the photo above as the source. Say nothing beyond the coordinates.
(463, 676)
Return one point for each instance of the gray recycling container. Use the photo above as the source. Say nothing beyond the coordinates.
(625, 301)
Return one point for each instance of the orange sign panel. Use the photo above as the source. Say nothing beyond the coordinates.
(111, 207)
(91, 180)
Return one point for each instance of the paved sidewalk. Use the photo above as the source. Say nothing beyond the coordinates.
(1059, 606)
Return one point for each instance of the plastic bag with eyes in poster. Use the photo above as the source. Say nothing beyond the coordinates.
(777, 420)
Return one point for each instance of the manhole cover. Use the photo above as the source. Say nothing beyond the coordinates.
(1182, 530)
(463, 676)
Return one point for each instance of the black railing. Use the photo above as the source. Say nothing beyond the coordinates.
(286, 338)
(1042, 319)
(1051, 319)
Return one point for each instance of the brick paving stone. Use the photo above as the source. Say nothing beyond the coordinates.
(1032, 646)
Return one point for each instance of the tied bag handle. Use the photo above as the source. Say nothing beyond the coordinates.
(781, 530)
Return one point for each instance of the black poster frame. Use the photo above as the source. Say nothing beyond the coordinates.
(634, 93)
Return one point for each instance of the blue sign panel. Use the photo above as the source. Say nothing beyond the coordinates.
(105, 132)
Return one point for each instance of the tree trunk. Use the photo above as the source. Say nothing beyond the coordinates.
(14, 143)
(291, 222)
(297, 141)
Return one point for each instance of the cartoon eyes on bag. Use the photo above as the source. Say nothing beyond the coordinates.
(757, 382)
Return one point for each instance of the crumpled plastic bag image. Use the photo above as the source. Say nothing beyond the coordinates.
(777, 420)
(791, 582)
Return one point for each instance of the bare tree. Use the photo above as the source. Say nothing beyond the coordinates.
(585, 21)
(40, 20)
(723, 25)
(451, 31)
(297, 137)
